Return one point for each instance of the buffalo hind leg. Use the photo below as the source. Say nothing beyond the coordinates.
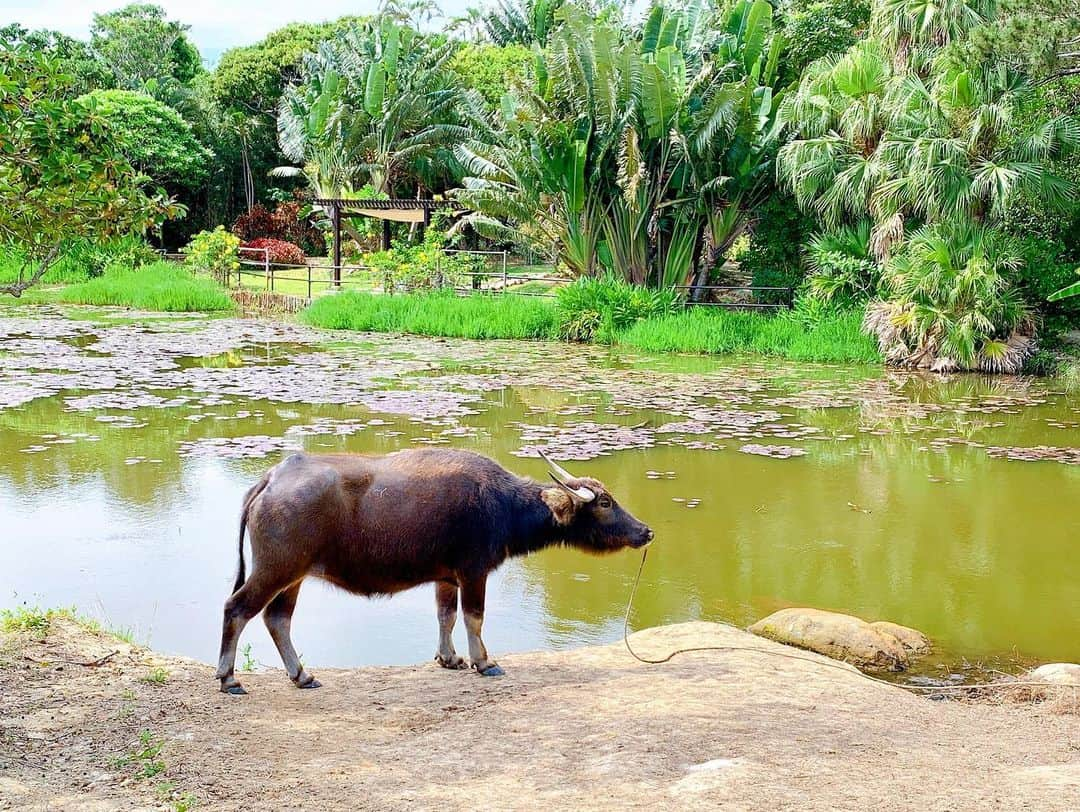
(242, 606)
(446, 604)
(278, 618)
(472, 602)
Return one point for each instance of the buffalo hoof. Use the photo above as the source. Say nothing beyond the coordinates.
(308, 681)
(453, 662)
(235, 690)
(492, 671)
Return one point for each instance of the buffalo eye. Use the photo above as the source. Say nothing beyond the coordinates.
(605, 502)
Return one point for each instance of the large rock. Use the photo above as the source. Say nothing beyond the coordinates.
(842, 637)
(914, 642)
(1057, 673)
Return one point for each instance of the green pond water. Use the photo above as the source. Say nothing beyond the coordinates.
(127, 441)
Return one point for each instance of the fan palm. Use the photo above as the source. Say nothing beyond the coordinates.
(951, 305)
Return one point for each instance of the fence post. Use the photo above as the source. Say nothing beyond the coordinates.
(308, 281)
(504, 270)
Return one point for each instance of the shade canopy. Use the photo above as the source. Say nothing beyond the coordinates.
(398, 210)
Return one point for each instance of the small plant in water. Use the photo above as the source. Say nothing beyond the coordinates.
(157, 676)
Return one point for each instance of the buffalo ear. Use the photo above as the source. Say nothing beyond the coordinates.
(560, 503)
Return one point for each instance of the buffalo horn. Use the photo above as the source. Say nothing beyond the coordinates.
(563, 477)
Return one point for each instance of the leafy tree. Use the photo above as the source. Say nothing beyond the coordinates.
(492, 70)
(240, 103)
(890, 145)
(153, 137)
(816, 28)
(909, 132)
(951, 304)
(1039, 36)
(63, 176)
(75, 57)
(145, 51)
(521, 22)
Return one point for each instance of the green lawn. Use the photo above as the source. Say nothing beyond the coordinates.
(293, 281)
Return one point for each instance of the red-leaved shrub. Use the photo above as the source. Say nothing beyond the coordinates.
(283, 223)
(256, 223)
(285, 253)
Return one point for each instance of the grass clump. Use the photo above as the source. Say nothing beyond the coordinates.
(436, 314)
(31, 619)
(158, 286)
(597, 309)
(156, 676)
(830, 338)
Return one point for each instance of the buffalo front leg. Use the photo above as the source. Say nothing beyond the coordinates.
(472, 603)
(446, 604)
(278, 618)
(242, 606)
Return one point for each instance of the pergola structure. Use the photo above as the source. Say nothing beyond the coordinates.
(401, 210)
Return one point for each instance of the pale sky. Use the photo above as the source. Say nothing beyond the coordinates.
(215, 24)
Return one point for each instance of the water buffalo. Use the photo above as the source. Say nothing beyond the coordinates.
(380, 525)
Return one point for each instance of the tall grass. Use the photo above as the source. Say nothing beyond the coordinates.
(830, 337)
(158, 286)
(836, 337)
(436, 314)
(65, 270)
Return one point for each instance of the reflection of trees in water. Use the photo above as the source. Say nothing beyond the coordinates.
(978, 557)
(977, 562)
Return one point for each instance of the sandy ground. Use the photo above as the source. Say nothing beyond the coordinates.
(585, 729)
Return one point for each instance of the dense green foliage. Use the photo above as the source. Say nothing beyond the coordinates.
(816, 28)
(915, 161)
(912, 140)
(1038, 36)
(835, 337)
(153, 137)
(213, 251)
(144, 51)
(76, 58)
(161, 286)
(597, 309)
(436, 314)
(376, 106)
(646, 155)
(492, 70)
(63, 177)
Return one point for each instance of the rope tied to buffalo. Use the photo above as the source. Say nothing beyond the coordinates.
(846, 668)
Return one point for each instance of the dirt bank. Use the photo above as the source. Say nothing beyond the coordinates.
(583, 729)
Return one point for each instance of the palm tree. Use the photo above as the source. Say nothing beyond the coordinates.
(654, 146)
(951, 304)
(521, 22)
(928, 145)
(377, 107)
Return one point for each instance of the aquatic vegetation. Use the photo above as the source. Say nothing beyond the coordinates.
(835, 338)
(160, 286)
(436, 314)
(606, 311)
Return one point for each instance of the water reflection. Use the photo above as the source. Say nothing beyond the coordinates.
(127, 506)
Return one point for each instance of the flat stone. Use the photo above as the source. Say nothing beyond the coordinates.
(842, 637)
